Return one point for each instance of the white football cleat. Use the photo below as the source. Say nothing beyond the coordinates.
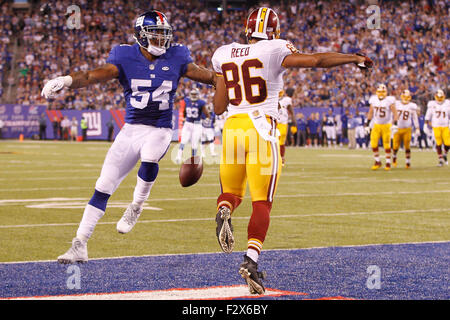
(129, 218)
(77, 253)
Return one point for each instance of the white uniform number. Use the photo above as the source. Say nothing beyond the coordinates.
(139, 99)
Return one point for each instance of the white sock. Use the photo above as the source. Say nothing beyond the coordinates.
(142, 191)
(90, 218)
(202, 149)
(252, 254)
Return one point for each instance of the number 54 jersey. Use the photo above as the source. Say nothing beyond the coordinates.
(253, 74)
(149, 86)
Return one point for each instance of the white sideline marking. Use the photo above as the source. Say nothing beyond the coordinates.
(218, 292)
(329, 214)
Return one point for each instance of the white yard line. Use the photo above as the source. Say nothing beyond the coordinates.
(325, 214)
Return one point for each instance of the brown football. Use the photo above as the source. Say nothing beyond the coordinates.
(190, 171)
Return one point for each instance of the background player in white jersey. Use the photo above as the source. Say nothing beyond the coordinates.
(329, 127)
(149, 93)
(437, 116)
(250, 77)
(192, 127)
(382, 111)
(407, 115)
(285, 112)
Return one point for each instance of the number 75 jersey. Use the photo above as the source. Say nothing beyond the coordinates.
(253, 74)
(382, 113)
(149, 86)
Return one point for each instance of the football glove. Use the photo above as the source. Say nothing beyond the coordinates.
(366, 64)
(53, 86)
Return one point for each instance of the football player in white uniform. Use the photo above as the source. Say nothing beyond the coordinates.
(381, 111)
(285, 112)
(438, 114)
(250, 77)
(407, 115)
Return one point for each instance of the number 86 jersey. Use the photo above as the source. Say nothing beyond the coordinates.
(253, 74)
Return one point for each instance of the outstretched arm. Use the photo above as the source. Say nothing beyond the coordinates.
(200, 74)
(80, 79)
(324, 60)
(104, 73)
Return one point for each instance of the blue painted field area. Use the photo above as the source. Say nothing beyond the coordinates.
(406, 271)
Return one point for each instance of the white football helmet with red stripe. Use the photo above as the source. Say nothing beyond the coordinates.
(263, 23)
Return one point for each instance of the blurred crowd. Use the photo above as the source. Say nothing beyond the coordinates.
(409, 49)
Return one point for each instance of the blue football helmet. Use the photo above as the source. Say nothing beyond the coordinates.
(153, 32)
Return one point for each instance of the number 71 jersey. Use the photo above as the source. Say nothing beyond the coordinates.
(253, 74)
(149, 86)
(438, 113)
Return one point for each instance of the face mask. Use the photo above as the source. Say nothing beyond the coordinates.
(156, 51)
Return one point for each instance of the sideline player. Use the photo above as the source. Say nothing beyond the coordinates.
(330, 128)
(149, 91)
(407, 115)
(250, 77)
(285, 112)
(437, 116)
(192, 128)
(382, 109)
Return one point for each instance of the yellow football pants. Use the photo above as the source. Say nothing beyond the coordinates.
(247, 156)
(442, 135)
(382, 131)
(283, 128)
(404, 135)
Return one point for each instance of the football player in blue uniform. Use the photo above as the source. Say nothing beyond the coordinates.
(208, 134)
(149, 72)
(192, 128)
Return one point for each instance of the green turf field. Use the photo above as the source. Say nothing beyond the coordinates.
(325, 197)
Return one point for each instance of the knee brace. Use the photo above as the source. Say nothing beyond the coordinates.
(148, 171)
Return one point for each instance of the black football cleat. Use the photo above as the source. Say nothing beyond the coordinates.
(249, 271)
(224, 229)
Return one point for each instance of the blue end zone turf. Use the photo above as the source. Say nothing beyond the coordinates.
(407, 271)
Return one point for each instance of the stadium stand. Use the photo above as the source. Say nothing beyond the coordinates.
(409, 49)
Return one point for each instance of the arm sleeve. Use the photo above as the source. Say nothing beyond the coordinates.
(428, 114)
(113, 57)
(185, 57)
(217, 66)
(415, 117)
(282, 48)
